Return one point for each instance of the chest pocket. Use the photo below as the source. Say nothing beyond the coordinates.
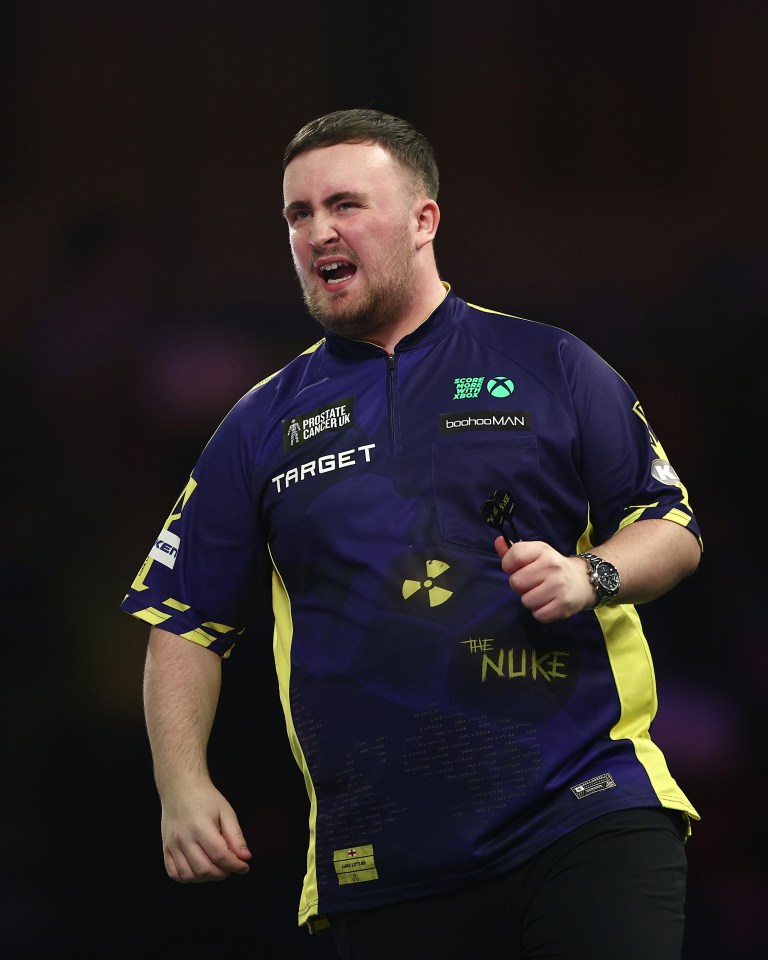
(466, 472)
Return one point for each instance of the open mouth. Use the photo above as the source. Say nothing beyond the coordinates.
(335, 272)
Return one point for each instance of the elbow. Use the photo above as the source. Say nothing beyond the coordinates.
(691, 557)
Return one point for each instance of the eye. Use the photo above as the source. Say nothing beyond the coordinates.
(297, 216)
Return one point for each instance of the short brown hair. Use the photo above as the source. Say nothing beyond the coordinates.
(397, 136)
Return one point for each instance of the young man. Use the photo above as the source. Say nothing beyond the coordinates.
(471, 712)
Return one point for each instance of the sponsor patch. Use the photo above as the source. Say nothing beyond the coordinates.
(355, 864)
(166, 548)
(467, 388)
(485, 420)
(333, 416)
(597, 784)
(500, 386)
(326, 464)
(664, 472)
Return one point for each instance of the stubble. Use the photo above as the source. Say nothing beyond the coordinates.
(386, 301)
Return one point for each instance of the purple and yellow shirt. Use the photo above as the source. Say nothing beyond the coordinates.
(444, 735)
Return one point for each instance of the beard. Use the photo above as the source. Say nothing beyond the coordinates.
(382, 305)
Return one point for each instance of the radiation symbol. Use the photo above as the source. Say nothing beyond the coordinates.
(437, 595)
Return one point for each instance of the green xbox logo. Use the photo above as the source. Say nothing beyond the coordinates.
(499, 386)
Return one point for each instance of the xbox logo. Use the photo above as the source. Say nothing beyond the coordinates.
(500, 386)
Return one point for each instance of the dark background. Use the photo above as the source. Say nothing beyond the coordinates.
(603, 169)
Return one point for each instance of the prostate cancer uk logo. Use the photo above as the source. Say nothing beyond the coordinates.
(303, 426)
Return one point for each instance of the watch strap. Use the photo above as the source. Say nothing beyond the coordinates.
(603, 596)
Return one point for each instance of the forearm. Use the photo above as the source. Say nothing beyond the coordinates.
(202, 839)
(652, 556)
(182, 681)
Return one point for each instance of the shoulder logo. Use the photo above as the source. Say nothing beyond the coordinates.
(303, 426)
(664, 472)
(166, 548)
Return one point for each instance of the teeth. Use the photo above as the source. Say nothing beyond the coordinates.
(332, 266)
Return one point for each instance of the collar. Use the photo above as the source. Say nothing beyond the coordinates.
(442, 321)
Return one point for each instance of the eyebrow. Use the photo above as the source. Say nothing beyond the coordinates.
(327, 202)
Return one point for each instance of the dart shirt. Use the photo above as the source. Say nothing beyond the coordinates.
(444, 735)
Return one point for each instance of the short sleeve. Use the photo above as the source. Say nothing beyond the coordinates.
(626, 471)
(207, 566)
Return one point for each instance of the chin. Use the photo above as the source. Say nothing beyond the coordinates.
(333, 308)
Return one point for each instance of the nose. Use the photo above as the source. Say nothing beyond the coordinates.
(323, 231)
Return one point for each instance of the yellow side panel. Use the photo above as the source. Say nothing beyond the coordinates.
(282, 640)
(635, 680)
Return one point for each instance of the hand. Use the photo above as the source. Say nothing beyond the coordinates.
(202, 839)
(552, 586)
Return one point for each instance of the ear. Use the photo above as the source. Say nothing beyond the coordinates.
(427, 219)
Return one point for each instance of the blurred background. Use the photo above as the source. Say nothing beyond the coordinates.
(603, 169)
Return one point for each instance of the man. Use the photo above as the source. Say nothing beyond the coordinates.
(477, 758)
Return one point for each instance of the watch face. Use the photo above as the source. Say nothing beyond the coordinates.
(608, 577)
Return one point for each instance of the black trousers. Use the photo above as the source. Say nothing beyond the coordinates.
(612, 888)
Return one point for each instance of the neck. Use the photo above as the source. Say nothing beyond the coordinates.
(428, 298)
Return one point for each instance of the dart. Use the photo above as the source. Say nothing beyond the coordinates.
(497, 511)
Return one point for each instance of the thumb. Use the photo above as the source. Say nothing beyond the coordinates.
(230, 830)
(501, 546)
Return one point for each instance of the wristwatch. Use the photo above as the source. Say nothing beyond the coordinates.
(604, 577)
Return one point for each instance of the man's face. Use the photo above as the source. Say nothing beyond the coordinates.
(351, 216)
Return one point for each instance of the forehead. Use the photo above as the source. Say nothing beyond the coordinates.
(355, 167)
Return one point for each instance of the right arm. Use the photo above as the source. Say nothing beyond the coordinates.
(202, 839)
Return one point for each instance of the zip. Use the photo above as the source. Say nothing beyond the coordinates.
(392, 403)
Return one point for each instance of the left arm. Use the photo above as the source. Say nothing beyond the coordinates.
(652, 556)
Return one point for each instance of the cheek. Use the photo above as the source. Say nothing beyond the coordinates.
(299, 249)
